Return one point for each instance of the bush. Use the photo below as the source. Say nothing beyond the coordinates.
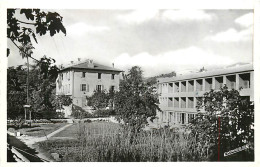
(59, 120)
(87, 121)
(103, 113)
(108, 142)
(79, 113)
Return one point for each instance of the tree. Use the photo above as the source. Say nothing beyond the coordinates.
(136, 100)
(99, 100)
(62, 100)
(42, 81)
(228, 119)
(43, 95)
(26, 51)
(38, 22)
(16, 95)
(20, 32)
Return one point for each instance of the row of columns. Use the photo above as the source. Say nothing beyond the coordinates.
(171, 103)
(167, 89)
(174, 117)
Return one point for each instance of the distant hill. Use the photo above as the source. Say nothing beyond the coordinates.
(153, 79)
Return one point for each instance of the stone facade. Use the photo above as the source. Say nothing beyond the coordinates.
(82, 79)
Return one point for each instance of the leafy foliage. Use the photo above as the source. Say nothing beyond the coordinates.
(103, 113)
(62, 100)
(136, 100)
(99, 100)
(47, 70)
(38, 22)
(42, 90)
(26, 50)
(16, 96)
(234, 115)
(80, 113)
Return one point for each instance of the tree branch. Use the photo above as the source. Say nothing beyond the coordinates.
(23, 51)
(26, 22)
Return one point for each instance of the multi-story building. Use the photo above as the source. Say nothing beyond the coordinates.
(179, 95)
(81, 79)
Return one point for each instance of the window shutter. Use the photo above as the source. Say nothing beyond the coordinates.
(80, 87)
(87, 87)
(102, 87)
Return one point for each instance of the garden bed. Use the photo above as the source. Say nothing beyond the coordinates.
(107, 142)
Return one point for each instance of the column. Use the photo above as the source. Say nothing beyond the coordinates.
(224, 80)
(186, 102)
(179, 102)
(195, 102)
(186, 121)
(251, 86)
(237, 81)
(213, 83)
(195, 85)
(187, 89)
(203, 84)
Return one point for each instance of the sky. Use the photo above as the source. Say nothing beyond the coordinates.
(159, 41)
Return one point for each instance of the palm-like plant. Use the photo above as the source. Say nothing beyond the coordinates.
(26, 51)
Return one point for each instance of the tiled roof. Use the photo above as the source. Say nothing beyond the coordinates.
(85, 65)
(223, 71)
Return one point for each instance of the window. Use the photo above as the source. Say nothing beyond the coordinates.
(112, 88)
(190, 102)
(176, 102)
(170, 102)
(244, 80)
(199, 84)
(183, 86)
(191, 86)
(99, 88)
(83, 87)
(208, 84)
(170, 88)
(183, 118)
(218, 82)
(113, 76)
(231, 81)
(190, 117)
(176, 87)
(183, 102)
(99, 75)
(83, 74)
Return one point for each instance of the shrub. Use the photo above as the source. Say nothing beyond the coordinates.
(107, 142)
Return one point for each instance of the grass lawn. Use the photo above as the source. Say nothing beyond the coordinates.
(106, 142)
(40, 130)
(93, 129)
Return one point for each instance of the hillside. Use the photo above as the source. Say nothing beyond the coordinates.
(153, 79)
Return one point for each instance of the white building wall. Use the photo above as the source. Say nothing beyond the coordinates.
(176, 111)
(72, 80)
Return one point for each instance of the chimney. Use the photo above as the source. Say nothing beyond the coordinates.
(71, 62)
(78, 59)
(113, 65)
(90, 63)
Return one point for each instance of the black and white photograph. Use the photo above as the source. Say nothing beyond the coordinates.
(130, 85)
